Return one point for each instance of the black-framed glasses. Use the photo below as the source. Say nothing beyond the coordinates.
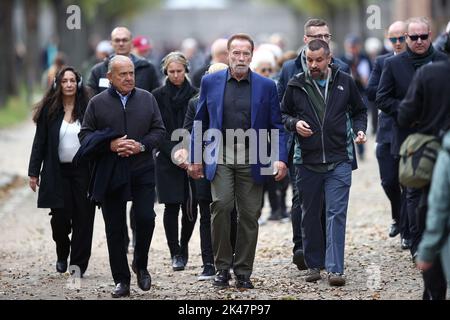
(399, 39)
(416, 37)
(266, 70)
(320, 36)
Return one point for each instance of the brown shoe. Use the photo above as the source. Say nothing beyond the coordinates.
(336, 279)
(313, 275)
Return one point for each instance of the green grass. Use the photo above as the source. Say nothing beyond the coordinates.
(15, 111)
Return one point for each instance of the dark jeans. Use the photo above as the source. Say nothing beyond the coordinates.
(412, 207)
(114, 214)
(388, 166)
(171, 226)
(205, 232)
(435, 284)
(296, 210)
(276, 191)
(77, 217)
(330, 189)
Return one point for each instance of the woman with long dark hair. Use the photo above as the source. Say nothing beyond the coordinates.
(62, 185)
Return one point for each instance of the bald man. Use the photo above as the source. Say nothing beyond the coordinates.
(133, 115)
(387, 162)
(219, 54)
(146, 76)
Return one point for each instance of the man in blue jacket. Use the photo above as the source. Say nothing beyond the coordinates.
(317, 106)
(234, 100)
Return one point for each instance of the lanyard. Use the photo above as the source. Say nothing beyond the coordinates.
(326, 87)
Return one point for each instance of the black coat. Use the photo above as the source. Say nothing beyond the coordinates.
(385, 121)
(44, 154)
(426, 107)
(397, 75)
(145, 74)
(171, 180)
(202, 186)
(330, 142)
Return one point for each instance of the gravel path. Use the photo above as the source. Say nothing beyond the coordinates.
(376, 267)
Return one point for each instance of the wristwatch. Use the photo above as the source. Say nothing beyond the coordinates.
(142, 146)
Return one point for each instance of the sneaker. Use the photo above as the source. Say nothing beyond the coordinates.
(208, 272)
(313, 275)
(336, 279)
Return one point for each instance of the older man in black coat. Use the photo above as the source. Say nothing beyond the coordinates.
(133, 114)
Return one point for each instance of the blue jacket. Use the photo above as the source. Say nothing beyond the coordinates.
(265, 114)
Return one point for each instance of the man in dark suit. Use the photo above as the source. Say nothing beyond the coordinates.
(236, 100)
(387, 161)
(397, 75)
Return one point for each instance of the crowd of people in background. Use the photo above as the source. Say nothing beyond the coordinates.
(106, 131)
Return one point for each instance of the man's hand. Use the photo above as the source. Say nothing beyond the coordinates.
(125, 147)
(180, 158)
(280, 170)
(303, 129)
(361, 138)
(195, 170)
(114, 145)
(423, 266)
(34, 181)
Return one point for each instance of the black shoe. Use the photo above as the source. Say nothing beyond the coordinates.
(299, 260)
(184, 252)
(61, 266)
(177, 263)
(394, 230)
(274, 216)
(121, 290)
(208, 272)
(406, 244)
(221, 279)
(144, 280)
(243, 282)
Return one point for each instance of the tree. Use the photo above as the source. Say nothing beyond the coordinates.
(8, 84)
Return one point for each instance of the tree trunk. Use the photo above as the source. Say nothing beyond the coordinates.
(8, 84)
(74, 43)
(32, 56)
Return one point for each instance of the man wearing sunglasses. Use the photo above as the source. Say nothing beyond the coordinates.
(387, 161)
(396, 78)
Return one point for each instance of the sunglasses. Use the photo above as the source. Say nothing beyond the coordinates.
(399, 39)
(421, 36)
(266, 70)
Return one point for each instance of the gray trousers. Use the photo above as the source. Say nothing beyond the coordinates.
(233, 184)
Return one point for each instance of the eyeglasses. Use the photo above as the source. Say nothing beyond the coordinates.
(125, 40)
(416, 37)
(399, 39)
(319, 36)
(266, 70)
